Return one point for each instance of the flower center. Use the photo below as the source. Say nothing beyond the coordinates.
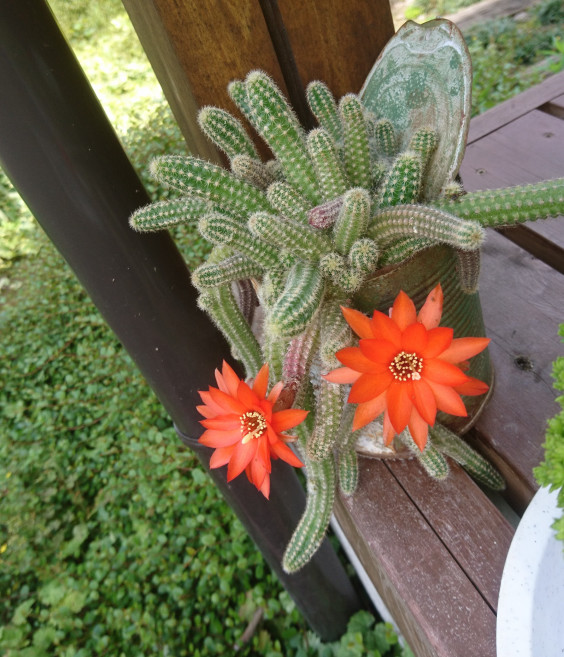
(253, 425)
(406, 366)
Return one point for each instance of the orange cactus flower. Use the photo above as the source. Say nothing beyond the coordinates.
(407, 367)
(244, 430)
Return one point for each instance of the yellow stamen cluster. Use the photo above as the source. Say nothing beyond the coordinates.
(406, 366)
(253, 425)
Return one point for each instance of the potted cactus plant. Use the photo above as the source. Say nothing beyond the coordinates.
(363, 214)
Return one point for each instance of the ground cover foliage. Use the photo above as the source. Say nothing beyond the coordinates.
(113, 541)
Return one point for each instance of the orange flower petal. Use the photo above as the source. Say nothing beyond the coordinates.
(246, 396)
(260, 384)
(432, 309)
(384, 328)
(438, 339)
(342, 375)
(403, 311)
(379, 351)
(448, 400)
(221, 456)
(463, 348)
(472, 387)
(414, 338)
(369, 386)
(265, 488)
(206, 411)
(359, 323)
(220, 438)
(226, 402)
(368, 411)
(424, 401)
(223, 422)
(282, 420)
(220, 381)
(283, 452)
(243, 454)
(212, 406)
(399, 404)
(441, 372)
(354, 358)
(419, 429)
(231, 379)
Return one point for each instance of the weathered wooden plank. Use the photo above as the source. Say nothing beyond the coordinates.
(436, 606)
(526, 150)
(337, 42)
(515, 107)
(522, 305)
(465, 520)
(555, 107)
(487, 10)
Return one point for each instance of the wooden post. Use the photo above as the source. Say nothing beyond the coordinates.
(196, 48)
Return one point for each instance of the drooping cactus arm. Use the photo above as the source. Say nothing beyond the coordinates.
(505, 207)
(403, 249)
(222, 307)
(390, 224)
(468, 267)
(328, 409)
(312, 527)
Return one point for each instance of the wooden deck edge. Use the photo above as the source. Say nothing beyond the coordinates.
(513, 108)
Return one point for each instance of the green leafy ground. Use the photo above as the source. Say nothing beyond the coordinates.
(112, 539)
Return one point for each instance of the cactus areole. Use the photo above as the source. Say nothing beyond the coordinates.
(359, 218)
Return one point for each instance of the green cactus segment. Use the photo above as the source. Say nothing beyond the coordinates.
(330, 173)
(274, 350)
(424, 142)
(298, 303)
(384, 137)
(335, 332)
(403, 182)
(307, 243)
(252, 171)
(476, 465)
(276, 123)
(288, 202)
(333, 266)
(222, 230)
(238, 94)
(468, 267)
(299, 354)
(158, 216)
(402, 250)
(377, 174)
(272, 286)
(505, 207)
(363, 255)
(348, 471)
(221, 306)
(234, 268)
(352, 221)
(311, 529)
(325, 215)
(329, 406)
(390, 224)
(433, 462)
(324, 108)
(195, 177)
(357, 151)
(226, 132)
(350, 281)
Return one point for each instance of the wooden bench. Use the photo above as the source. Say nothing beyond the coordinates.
(435, 551)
